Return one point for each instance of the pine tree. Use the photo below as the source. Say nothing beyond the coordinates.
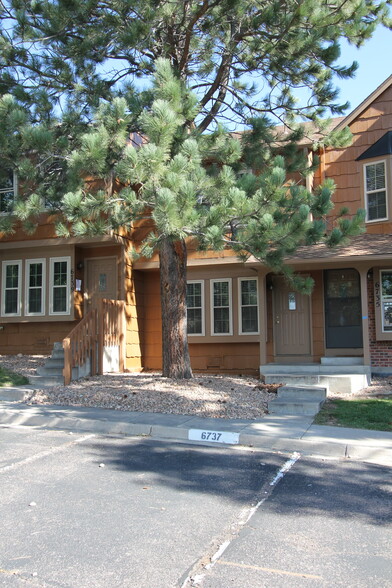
(71, 96)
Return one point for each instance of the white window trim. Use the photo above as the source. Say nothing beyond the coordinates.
(14, 189)
(52, 261)
(240, 306)
(202, 309)
(17, 262)
(229, 280)
(366, 165)
(29, 262)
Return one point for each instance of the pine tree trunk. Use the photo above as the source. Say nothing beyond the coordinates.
(175, 352)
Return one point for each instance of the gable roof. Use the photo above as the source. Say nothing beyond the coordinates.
(381, 147)
(365, 104)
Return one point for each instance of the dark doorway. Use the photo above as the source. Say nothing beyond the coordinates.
(343, 324)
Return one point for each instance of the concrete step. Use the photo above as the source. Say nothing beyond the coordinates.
(313, 368)
(44, 381)
(339, 361)
(315, 393)
(11, 394)
(294, 407)
(58, 354)
(50, 370)
(339, 384)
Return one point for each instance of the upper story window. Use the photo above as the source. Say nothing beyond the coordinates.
(376, 191)
(195, 307)
(221, 303)
(8, 189)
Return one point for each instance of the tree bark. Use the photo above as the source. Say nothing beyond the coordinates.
(175, 353)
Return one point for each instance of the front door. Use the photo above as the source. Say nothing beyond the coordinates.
(291, 322)
(101, 279)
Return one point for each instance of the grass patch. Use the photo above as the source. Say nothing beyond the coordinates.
(8, 378)
(366, 413)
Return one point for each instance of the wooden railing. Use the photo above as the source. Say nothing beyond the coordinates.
(102, 326)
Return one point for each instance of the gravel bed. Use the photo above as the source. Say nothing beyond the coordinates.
(205, 395)
(214, 396)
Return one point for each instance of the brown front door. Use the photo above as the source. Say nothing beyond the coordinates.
(101, 279)
(291, 322)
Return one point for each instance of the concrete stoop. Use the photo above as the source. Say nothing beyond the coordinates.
(342, 377)
(298, 400)
(305, 386)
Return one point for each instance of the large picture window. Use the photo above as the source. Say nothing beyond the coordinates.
(376, 191)
(11, 288)
(195, 307)
(8, 186)
(248, 306)
(221, 303)
(59, 285)
(35, 287)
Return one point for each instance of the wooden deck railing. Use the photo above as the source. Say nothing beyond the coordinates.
(102, 326)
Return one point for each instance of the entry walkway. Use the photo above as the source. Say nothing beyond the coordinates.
(273, 433)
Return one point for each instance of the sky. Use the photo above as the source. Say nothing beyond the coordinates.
(375, 65)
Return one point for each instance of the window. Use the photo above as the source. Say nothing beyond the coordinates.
(376, 191)
(386, 300)
(221, 307)
(7, 190)
(59, 285)
(11, 290)
(35, 287)
(195, 307)
(248, 306)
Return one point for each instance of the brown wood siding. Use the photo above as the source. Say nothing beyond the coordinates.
(340, 164)
(32, 338)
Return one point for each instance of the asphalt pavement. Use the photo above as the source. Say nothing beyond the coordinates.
(83, 510)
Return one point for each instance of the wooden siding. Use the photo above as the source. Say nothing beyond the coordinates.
(340, 164)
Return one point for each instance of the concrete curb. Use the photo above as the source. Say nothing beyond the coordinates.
(273, 433)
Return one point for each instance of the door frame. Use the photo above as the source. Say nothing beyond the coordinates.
(291, 358)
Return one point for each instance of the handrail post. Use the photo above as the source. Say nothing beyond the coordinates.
(67, 371)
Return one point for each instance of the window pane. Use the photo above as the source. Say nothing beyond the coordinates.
(194, 321)
(248, 292)
(11, 302)
(386, 282)
(221, 294)
(387, 316)
(6, 201)
(59, 299)
(375, 177)
(377, 207)
(12, 276)
(60, 273)
(35, 277)
(193, 295)
(35, 300)
(221, 320)
(249, 319)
